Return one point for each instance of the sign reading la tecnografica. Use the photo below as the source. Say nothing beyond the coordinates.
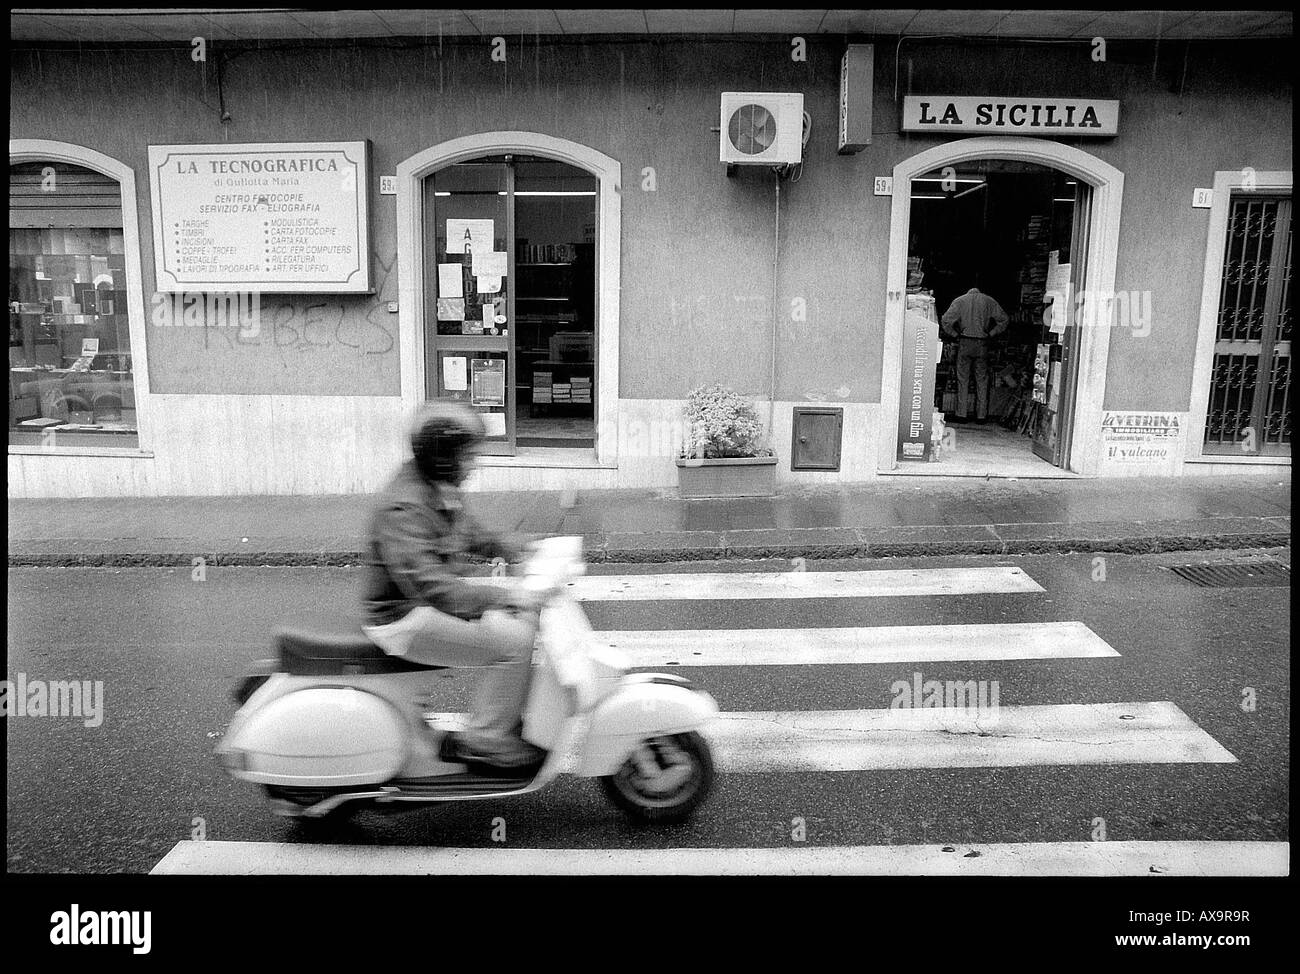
(274, 217)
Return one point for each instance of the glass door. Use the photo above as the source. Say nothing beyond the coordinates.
(1058, 351)
(469, 353)
(1080, 238)
(555, 253)
(510, 303)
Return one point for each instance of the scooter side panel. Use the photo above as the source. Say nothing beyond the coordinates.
(637, 711)
(547, 708)
(322, 737)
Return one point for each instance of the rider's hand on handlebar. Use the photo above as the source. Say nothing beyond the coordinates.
(518, 597)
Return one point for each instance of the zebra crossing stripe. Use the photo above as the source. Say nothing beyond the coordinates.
(880, 583)
(1118, 858)
(875, 644)
(960, 737)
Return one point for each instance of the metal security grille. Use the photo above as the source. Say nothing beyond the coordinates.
(1249, 575)
(1249, 409)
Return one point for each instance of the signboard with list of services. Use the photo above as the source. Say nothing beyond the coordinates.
(276, 217)
(991, 115)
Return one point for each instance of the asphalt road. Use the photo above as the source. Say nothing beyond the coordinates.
(118, 797)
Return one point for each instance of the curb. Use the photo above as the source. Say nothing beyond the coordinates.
(598, 552)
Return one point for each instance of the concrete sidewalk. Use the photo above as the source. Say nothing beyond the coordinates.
(895, 516)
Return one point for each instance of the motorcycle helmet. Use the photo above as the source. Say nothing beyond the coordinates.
(442, 439)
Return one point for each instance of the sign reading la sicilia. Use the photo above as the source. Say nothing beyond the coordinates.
(273, 217)
(1010, 116)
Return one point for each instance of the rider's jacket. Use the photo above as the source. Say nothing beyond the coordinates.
(419, 535)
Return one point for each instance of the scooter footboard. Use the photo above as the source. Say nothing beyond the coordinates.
(647, 705)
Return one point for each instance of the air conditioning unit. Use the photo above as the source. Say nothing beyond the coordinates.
(761, 128)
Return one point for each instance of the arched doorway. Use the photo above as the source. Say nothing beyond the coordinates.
(417, 243)
(1090, 345)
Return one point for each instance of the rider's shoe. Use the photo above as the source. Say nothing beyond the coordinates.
(510, 757)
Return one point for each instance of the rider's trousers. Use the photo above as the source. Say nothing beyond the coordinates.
(500, 641)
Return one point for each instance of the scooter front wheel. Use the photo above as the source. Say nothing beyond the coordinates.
(664, 780)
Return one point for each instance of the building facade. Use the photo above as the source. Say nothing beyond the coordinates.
(793, 287)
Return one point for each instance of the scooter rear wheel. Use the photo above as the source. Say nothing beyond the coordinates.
(664, 782)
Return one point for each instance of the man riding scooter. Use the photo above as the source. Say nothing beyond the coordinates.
(420, 608)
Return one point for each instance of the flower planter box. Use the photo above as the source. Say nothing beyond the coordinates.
(727, 477)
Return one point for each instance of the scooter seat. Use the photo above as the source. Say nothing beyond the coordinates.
(323, 654)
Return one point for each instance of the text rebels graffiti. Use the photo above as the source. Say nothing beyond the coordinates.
(247, 318)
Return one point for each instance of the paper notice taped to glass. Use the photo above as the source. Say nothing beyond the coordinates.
(451, 309)
(495, 423)
(1058, 293)
(469, 236)
(489, 263)
(455, 376)
(451, 280)
(489, 382)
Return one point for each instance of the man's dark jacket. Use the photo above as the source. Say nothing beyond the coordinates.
(419, 534)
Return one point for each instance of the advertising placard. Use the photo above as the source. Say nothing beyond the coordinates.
(1131, 438)
(916, 390)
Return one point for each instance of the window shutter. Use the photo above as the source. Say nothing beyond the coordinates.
(80, 197)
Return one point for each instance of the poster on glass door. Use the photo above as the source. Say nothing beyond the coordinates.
(488, 382)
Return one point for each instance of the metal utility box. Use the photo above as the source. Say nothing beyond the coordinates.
(817, 435)
(856, 69)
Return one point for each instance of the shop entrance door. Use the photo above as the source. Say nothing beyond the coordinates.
(510, 299)
(1005, 384)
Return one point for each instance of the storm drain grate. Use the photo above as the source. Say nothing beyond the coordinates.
(1248, 575)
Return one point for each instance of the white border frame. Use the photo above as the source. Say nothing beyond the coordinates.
(46, 150)
(1225, 181)
(1107, 184)
(410, 259)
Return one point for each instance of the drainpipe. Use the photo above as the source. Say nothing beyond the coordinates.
(776, 253)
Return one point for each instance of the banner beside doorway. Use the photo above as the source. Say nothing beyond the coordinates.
(916, 400)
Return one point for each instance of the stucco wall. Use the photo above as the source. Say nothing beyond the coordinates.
(697, 250)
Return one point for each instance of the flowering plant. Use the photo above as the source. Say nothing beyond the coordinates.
(721, 423)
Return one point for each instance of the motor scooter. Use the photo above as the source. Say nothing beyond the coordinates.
(335, 725)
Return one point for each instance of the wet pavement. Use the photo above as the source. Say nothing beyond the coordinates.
(893, 516)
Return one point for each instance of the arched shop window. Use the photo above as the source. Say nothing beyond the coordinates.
(70, 374)
(511, 325)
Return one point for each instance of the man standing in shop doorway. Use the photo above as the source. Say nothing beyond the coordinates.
(973, 319)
